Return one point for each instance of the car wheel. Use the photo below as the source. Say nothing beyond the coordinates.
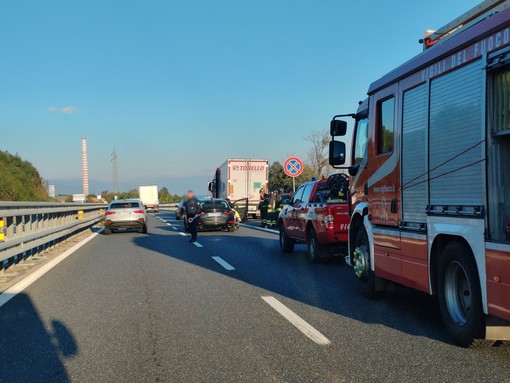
(107, 231)
(366, 277)
(315, 251)
(231, 229)
(460, 296)
(286, 244)
(144, 229)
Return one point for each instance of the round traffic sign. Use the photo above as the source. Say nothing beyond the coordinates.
(293, 166)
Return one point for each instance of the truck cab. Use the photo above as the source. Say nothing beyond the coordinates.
(318, 216)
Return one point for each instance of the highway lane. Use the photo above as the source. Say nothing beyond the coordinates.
(156, 308)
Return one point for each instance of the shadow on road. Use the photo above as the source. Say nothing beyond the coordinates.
(330, 285)
(30, 351)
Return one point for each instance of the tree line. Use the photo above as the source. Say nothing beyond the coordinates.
(20, 180)
(316, 164)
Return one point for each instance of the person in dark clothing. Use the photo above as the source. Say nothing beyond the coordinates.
(263, 206)
(191, 212)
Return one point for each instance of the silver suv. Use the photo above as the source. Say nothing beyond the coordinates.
(125, 214)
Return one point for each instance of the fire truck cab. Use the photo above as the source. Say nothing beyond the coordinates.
(430, 178)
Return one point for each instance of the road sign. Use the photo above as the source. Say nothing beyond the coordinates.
(293, 167)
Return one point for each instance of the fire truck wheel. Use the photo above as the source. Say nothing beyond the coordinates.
(315, 252)
(367, 279)
(460, 296)
(286, 244)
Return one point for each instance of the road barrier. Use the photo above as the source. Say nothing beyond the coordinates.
(27, 228)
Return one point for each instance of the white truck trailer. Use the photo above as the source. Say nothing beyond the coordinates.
(237, 179)
(149, 196)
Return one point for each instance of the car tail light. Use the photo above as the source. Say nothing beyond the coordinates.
(108, 222)
(139, 211)
(202, 214)
(109, 213)
(140, 220)
(227, 212)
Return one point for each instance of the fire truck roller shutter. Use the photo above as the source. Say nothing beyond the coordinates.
(414, 176)
(456, 125)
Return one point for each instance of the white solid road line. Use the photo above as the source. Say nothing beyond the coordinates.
(297, 321)
(183, 234)
(226, 265)
(272, 231)
(169, 224)
(173, 227)
(17, 288)
(198, 244)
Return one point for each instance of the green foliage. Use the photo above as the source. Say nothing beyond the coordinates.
(166, 197)
(279, 180)
(20, 180)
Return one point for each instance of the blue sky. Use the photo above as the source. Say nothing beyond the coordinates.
(176, 87)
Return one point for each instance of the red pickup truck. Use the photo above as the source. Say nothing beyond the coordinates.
(318, 215)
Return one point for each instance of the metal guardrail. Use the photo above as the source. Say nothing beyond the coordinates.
(29, 227)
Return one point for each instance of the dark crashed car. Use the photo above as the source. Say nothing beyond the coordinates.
(216, 214)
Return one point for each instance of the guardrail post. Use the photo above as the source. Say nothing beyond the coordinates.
(2, 230)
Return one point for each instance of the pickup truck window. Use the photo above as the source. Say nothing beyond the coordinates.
(299, 195)
(306, 194)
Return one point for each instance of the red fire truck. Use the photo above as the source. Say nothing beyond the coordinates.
(430, 176)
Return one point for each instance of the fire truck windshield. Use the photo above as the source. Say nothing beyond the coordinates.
(360, 140)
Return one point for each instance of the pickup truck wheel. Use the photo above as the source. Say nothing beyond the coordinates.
(460, 296)
(315, 251)
(286, 244)
(366, 278)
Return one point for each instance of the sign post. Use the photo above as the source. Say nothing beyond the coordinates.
(293, 167)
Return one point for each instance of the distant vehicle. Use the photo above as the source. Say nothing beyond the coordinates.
(149, 196)
(125, 214)
(236, 179)
(318, 215)
(216, 214)
(80, 198)
(178, 211)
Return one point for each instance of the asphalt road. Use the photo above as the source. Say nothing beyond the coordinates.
(155, 308)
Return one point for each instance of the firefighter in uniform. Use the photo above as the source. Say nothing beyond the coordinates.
(271, 214)
(263, 206)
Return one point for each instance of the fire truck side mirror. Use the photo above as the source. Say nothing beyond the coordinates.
(336, 153)
(337, 128)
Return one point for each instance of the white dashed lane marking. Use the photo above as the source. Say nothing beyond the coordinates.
(297, 321)
(224, 264)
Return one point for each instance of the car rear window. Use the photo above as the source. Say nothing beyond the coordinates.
(124, 205)
(214, 205)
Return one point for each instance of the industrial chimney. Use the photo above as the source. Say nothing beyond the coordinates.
(84, 167)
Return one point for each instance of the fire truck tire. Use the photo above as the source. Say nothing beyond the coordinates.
(286, 244)
(366, 281)
(315, 250)
(460, 296)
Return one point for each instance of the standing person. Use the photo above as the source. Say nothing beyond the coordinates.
(191, 211)
(263, 206)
